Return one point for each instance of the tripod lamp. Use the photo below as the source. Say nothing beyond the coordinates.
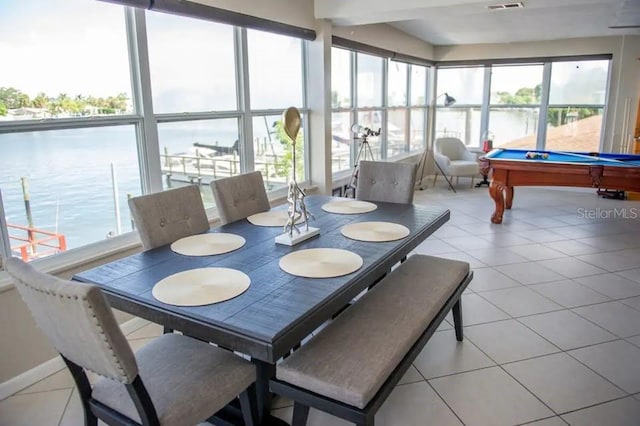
(426, 155)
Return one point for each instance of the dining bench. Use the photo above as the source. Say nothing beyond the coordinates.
(351, 366)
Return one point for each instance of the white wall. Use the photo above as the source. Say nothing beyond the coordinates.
(624, 88)
(292, 12)
(386, 37)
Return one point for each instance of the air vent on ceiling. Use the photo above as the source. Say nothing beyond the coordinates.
(514, 5)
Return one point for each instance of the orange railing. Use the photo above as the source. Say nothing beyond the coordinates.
(36, 243)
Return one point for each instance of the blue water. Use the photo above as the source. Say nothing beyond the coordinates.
(69, 177)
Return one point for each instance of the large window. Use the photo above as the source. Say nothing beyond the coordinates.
(462, 120)
(197, 152)
(192, 64)
(515, 105)
(63, 60)
(556, 105)
(576, 105)
(390, 96)
(275, 70)
(67, 188)
(273, 151)
(369, 81)
(120, 128)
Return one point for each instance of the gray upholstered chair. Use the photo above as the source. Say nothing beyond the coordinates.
(173, 380)
(454, 159)
(240, 196)
(164, 217)
(386, 182)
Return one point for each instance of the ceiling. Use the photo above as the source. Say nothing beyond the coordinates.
(451, 22)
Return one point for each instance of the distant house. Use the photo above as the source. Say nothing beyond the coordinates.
(27, 113)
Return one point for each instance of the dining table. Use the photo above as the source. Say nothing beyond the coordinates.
(278, 310)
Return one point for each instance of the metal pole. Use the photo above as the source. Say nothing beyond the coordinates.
(116, 203)
(27, 208)
(5, 246)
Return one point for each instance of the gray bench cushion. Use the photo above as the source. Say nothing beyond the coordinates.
(351, 358)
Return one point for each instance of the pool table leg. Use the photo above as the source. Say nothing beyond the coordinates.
(497, 192)
(508, 199)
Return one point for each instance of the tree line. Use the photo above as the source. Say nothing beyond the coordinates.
(533, 95)
(12, 98)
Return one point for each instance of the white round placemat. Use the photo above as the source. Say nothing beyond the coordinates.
(375, 231)
(202, 286)
(321, 263)
(349, 207)
(271, 218)
(208, 244)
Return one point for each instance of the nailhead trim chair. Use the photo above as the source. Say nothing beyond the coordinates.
(386, 182)
(164, 217)
(173, 380)
(240, 196)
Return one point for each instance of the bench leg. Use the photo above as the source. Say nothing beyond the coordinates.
(300, 414)
(457, 319)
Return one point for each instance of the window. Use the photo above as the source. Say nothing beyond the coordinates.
(340, 78)
(576, 105)
(273, 153)
(74, 180)
(418, 85)
(397, 131)
(275, 70)
(73, 65)
(462, 120)
(196, 152)
(341, 141)
(369, 81)
(192, 64)
(373, 120)
(80, 172)
(67, 60)
(397, 84)
(572, 116)
(417, 130)
(516, 92)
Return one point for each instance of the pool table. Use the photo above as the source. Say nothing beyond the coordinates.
(511, 168)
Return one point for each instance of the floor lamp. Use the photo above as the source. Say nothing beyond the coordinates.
(426, 155)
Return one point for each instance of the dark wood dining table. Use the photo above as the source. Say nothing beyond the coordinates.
(278, 310)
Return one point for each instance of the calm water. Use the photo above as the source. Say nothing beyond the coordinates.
(69, 177)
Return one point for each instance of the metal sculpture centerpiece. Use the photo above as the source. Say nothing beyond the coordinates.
(297, 210)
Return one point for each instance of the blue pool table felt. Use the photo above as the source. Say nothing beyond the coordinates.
(605, 159)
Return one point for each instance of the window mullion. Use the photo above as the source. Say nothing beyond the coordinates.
(544, 106)
(385, 104)
(244, 100)
(5, 246)
(484, 109)
(146, 131)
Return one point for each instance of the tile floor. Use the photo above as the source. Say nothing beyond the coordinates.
(552, 322)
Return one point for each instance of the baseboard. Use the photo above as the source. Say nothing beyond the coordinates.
(52, 366)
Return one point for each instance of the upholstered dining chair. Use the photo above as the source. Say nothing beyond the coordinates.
(386, 182)
(240, 196)
(454, 159)
(173, 380)
(164, 217)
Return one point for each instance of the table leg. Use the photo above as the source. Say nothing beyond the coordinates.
(484, 181)
(508, 197)
(496, 190)
(264, 372)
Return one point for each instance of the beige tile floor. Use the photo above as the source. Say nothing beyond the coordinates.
(552, 322)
